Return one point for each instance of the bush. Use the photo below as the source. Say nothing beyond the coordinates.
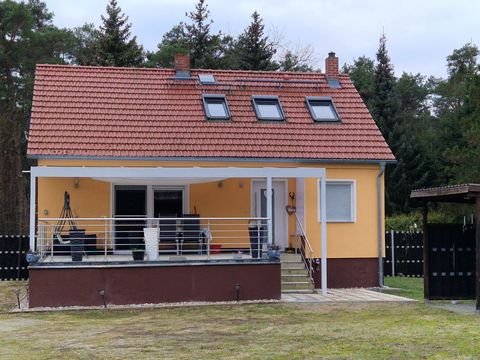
(413, 220)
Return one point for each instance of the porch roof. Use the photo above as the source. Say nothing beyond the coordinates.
(177, 172)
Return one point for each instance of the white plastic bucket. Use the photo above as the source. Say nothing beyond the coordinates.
(151, 243)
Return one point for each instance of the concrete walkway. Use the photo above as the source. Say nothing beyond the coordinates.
(344, 295)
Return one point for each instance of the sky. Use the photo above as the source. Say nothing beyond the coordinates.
(420, 33)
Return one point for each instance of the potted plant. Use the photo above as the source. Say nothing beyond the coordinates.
(138, 254)
(274, 252)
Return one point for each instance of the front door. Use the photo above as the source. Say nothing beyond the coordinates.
(279, 198)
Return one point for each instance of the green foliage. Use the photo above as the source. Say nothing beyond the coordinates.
(362, 74)
(27, 37)
(253, 49)
(412, 221)
(116, 47)
(384, 105)
(295, 62)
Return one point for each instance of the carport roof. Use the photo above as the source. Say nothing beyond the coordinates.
(463, 193)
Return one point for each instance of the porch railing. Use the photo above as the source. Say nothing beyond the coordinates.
(174, 238)
(305, 249)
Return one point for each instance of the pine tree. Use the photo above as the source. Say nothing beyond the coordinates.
(384, 105)
(254, 50)
(201, 42)
(115, 45)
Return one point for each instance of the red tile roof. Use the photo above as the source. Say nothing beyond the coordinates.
(147, 113)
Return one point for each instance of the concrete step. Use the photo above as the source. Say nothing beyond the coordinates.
(290, 257)
(300, 285)
(288, 278)
(293, 266)
(299, 271)
(299, 291)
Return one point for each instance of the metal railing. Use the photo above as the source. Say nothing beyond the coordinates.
(190, 237)
(305, 249)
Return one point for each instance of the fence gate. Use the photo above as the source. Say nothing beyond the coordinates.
(451, 265)
(13, 264)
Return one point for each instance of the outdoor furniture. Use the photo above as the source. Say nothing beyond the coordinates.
(257, 237)
(192, 235)
(167, 234)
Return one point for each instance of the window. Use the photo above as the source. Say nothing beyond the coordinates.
(268, 108)
(322, 109)
(216, 107)
(340, 201)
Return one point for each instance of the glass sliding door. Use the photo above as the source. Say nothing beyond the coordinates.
(130, 202)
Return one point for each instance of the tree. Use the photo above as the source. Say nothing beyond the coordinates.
(86, 45)
(362, 74)
(207, 50)
(384, 105)
(457, 105)
(173, 42)
(253, 49)
(300, 60)
(27, 37)
(116, 47)
(201, 43)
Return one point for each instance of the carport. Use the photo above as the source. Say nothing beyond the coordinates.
(451, 251)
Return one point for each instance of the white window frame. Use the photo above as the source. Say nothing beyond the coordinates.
(353, 201)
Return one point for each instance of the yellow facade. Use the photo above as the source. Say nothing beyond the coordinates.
(232, 198)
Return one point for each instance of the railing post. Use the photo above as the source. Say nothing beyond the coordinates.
(207, 242)
(105, 237)
(259, 239)
(392, 241)
(51, 245)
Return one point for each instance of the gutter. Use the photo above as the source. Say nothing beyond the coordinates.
(380, 223)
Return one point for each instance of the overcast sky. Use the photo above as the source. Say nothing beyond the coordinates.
(420, 33)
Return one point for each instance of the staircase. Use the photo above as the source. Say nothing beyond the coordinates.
(295, 277)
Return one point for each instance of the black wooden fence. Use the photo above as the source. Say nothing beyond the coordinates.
(13, 264)
(403, 254)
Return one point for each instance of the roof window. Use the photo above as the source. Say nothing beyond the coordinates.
(216, 107)
(206, 79)
(322, 109)
(268, 108)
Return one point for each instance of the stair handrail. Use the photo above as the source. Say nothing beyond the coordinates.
(304, 244)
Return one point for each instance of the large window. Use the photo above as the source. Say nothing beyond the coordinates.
(322, 109)
(216, 107)
(268, 108)
(340, 201)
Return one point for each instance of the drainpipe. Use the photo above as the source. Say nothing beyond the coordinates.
(380, 223)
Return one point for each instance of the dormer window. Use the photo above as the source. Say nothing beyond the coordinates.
(322, 109)
(268, 108)
(216, 107)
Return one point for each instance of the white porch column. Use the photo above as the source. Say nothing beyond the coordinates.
(269, 210)
(33, 195)
(323, 219)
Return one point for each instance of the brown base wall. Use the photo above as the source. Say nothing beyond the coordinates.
(80, 286)
(348, 273)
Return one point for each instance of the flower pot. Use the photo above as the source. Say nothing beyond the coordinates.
(138, 254)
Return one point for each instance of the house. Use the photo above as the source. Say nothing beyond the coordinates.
(222, 154)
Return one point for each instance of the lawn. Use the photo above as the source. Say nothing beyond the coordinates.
(410, 287)
(262, 331)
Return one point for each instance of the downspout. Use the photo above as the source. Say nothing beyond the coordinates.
(380, 223)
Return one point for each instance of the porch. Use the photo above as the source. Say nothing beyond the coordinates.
(188, 256)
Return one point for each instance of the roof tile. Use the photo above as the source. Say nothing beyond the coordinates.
(146, 113)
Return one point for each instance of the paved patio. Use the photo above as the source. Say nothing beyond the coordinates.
(344, 295)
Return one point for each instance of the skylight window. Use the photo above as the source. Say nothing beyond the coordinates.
(216, 107)
(322, 109)
(268, 108)
(206, 78)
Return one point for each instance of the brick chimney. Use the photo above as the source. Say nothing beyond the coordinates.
(182, 66)
(331, 66)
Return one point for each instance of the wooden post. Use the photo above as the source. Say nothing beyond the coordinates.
(477, 241)
(426, 276)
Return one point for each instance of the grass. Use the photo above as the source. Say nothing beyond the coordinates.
(409, 287)
(261, 331)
